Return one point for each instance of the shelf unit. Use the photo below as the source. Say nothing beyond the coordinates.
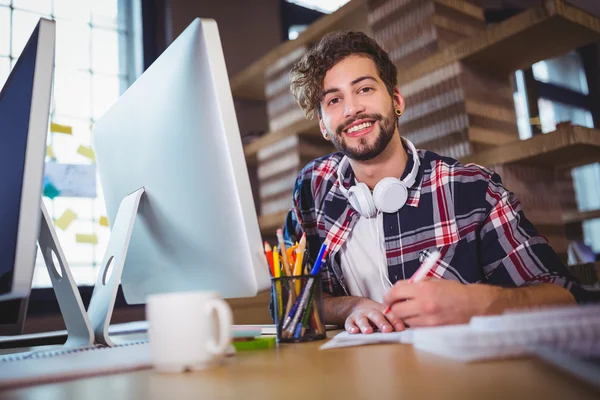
(250, 82)
(569, 146)
(518, 42)
(501, 49)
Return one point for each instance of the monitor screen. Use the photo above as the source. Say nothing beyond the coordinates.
(15, 107)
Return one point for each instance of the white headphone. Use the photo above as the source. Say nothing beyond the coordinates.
(390, 194)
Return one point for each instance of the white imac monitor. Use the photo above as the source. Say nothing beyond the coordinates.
(24, 113)
(174, 132)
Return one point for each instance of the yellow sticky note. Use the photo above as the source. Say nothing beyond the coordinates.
(65, 219)
(57, 128)
(87, 152)
(50, 152)
(103, 221)
(86, 238)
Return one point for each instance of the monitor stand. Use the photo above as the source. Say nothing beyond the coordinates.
(84, 329)
(105, 290)
(79, 329)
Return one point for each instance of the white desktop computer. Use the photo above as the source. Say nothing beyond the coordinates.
(177, 191)
(171, 147)
(24, 113)
(24, 110)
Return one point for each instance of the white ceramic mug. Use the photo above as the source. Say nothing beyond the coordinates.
(187, 330)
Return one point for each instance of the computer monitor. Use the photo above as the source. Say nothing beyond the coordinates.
(174, 132)
(24, 112)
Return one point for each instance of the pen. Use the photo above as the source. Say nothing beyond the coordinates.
(422, 272)
(282, 248)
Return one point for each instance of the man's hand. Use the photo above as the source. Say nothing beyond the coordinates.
(367, 314)
(434, 302)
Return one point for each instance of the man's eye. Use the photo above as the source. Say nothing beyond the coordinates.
(366, 89)
(333, 101)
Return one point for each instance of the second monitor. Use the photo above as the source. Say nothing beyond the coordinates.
(174, 132)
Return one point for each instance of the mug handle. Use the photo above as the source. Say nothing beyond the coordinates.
(225, 321)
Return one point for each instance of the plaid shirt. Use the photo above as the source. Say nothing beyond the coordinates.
(461, 210)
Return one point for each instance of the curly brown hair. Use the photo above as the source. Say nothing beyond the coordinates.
(308, 74)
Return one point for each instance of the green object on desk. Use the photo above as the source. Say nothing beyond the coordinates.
(258, 343)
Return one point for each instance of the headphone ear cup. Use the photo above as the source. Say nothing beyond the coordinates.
(390, 195)
(361, 200)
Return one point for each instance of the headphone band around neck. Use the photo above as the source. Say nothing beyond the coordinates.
(408, 181)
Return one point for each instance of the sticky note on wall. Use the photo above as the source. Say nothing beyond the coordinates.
(87, 152)
(65, 219)
(50, 190)
(86, 238)
(103, 221)
(57, 128)
(50, 152)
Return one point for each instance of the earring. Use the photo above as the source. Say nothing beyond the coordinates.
(326, 135)
(398, 112)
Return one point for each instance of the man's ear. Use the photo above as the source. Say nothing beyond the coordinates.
(399, 103)
(323, 129)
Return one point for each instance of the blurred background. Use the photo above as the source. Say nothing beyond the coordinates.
(480, 77)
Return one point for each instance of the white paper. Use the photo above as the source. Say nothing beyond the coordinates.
(72, 180)
(346, 339)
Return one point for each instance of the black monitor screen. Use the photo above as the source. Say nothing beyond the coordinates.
(15, 106)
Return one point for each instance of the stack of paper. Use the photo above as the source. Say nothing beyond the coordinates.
(508, 335)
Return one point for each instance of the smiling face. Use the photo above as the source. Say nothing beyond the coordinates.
(357, 111)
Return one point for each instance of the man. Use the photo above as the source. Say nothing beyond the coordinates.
(492, 258)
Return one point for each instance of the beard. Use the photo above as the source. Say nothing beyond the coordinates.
(365, 151)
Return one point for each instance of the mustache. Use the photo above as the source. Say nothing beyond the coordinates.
(341, 128)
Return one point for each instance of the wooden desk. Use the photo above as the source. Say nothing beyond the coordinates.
(303, 371)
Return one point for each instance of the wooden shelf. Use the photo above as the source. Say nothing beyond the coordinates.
(548, 30)
(270, 223)
(580, 216)
(250, 82)
(567, 147)
(303, 128)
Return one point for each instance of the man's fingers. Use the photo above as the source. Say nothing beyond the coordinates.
(422, 321)
(405, 309)
(379, 320)
(363, 324)
(401, 290)
(350, 326)
(396, 322)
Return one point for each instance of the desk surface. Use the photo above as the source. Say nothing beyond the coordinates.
(304, 371)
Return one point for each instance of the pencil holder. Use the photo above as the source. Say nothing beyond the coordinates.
(298, 308)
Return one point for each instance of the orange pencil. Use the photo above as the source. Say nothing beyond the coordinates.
(269, 254)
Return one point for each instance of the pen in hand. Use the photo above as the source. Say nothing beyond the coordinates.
(422, 272)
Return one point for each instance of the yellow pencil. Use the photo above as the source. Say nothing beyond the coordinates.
(298, 266)
(277, 270)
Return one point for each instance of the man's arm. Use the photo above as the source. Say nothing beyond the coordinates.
(502, 299)
(358, 314)
(441, 302)
(520, 266)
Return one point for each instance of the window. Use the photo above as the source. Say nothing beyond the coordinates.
(324, 6)
(553, 113)
(565, 71)
(95, 62)
(564, 78)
